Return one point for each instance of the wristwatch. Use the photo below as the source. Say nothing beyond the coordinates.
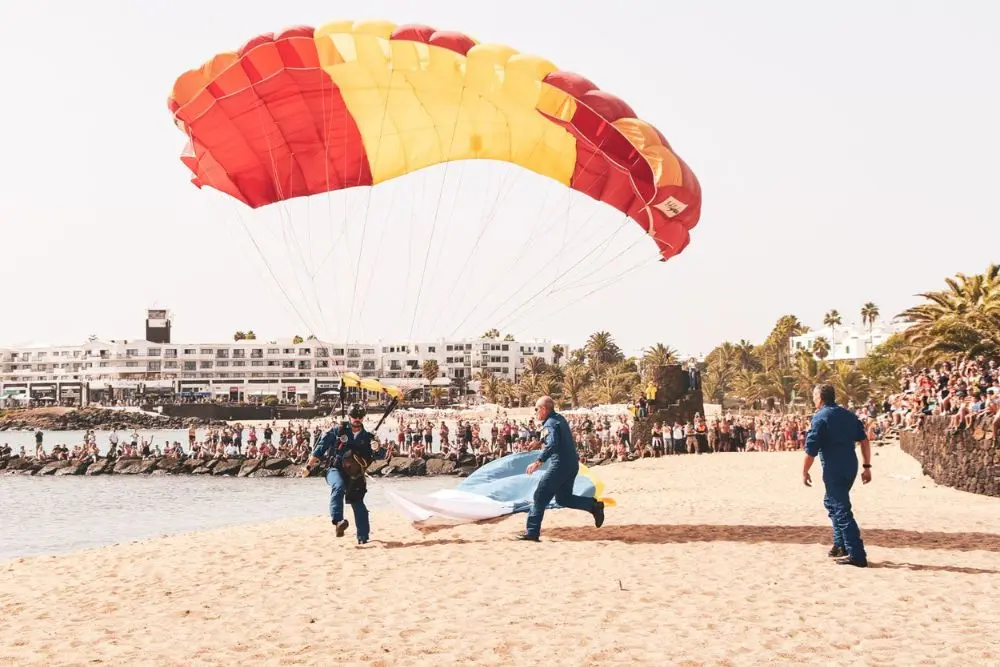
(867, 465)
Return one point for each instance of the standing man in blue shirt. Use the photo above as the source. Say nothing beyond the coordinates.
(557, 482)
(347, 450)
(831, 436)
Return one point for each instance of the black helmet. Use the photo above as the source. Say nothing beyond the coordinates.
(357, 412)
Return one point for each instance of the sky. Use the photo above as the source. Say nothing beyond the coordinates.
(847, 153)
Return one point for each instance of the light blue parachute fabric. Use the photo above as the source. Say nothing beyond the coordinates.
(497, 489)
(504, 480)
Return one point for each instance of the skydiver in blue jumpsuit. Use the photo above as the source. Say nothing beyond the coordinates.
(333, 447)
(557, 481)
(832, 435)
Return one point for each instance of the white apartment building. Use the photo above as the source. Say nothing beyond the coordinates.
(98, 369)
(848, 342)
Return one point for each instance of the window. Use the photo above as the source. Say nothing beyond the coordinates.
(273, 350)
(222, 354)
(190, 365)
(205, 364)
(170, 353)
(130, 353)
(206, 350)
(154, 366)
(190, 350)
(257, 353)
(431, 349)
(239, 354)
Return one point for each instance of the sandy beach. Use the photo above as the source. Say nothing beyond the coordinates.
(717, 559)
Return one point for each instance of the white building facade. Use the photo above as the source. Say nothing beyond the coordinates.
(848, 342)
(98, 370)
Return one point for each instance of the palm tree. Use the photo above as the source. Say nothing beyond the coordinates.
(655, 357)
(558, 352)
(869, 313)
(535, 366)
(429, 369)
(850, 385)
(492, 333)
(777, 345)
(575, 380)
(239, 335)
(602, 350)
(964, 318)
(437, 393)
(509, 338)
(489, 386)
(250, 335)
(821, 347)
(832, 320)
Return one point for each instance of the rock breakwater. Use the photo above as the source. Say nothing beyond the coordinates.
(398, 466)
(97, 419)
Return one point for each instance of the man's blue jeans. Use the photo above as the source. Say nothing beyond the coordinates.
(846, 533)
(337, 484)
(557, 482)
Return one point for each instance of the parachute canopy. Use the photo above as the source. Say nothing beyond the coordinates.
(312, 110)
(371, 384)
(497, 489)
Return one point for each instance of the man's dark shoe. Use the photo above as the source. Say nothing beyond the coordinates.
(362, 540)
(342, 527)
(851, 560)
(527, 538)
(598, 514)
(837, 552)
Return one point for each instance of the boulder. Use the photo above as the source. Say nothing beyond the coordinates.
(169, 464)
(50, 468)
(99, 467)
(249, 467)
(227, 467)
(377, 467)
(74, 468)
(276, 463)
(295, 470)
(440, 467)
(465, 471)
(264, 472)
(135, 466)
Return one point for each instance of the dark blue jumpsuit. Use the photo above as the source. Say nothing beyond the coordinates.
(557, 481)
(832, 435)
(328, 446)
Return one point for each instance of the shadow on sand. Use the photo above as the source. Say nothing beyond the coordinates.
(680, 533)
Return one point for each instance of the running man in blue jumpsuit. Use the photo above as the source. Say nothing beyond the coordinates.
(832, 435)
(334, 446)
(557, 481)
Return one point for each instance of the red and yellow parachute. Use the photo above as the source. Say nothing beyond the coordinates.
(311, 110)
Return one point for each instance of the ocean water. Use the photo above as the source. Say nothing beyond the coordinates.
(53, 515)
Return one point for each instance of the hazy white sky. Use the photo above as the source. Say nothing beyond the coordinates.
(847, 153)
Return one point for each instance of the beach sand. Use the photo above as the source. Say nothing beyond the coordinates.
(716, 559)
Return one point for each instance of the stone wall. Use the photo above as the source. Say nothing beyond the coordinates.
(398, 466)
(967, 460)
(675, 400)
(240, 412)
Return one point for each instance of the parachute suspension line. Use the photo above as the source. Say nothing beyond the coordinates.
(611, 281)
(260, 253)
(578, 284)
(451, 219)
(527, 242)
(517, 257)
(282, 208)
(489, 218)
(414, 202)
(364, 222)
(534, 296)
(371, 273)
(437, 208)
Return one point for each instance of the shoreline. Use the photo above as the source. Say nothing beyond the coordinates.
(734, 545)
